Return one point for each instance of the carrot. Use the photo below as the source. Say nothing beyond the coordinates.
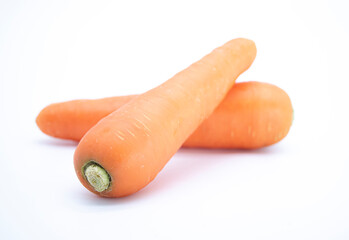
(261, 115)
(252, 115)
(72, 119)
(124, 151)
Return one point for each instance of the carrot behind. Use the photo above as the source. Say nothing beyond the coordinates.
(252, 115)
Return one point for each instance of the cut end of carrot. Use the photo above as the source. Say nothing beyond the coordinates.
(97, 176)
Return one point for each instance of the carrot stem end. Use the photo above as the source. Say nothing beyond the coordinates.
(97, 177)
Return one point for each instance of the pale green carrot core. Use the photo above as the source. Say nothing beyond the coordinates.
(97, 177)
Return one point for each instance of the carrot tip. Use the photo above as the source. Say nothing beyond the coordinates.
(97, 176)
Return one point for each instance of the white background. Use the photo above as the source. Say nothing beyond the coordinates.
(60, 50)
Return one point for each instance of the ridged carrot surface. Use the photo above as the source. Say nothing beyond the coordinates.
(252, 115)
(124, 151)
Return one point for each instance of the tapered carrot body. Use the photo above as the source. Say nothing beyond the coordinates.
(252, 115)
(72, 119)
(132, 144)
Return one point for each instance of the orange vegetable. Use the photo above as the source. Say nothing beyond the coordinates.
(72, 119)
(124, 151)
(261, 115)
(252, 115)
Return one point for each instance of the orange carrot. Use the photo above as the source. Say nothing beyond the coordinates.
(72, 119)
(261, 115)
(124, 151)
(252, 115)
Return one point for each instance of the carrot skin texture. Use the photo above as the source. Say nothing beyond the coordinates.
(252, 115)
(136, 141)
(261, 115)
